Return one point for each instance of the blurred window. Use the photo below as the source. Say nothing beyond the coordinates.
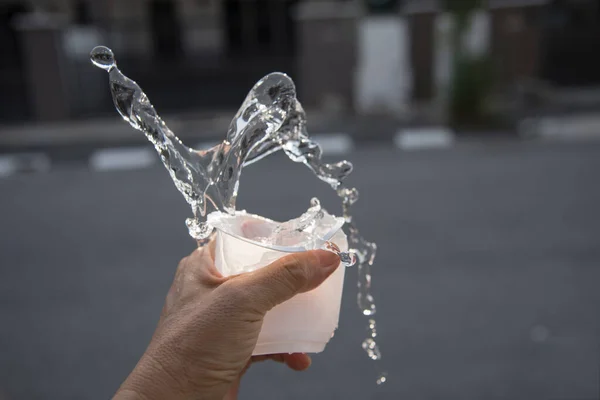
(13, 87)
(166, 29)
(571, 33)
(83, 15)
(233, 24)
(9, 42)
(259, 27)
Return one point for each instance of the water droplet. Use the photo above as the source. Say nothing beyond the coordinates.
(382, 378)
(366, 303)
(103, 57)
(349, 258)
(370, 346)
(372, 328)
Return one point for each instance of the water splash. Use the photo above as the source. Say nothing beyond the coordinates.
(311, 230)
(369, 344)
(382, 378)
(270, 119)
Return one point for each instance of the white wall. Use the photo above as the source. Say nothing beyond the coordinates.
(201, 26)
(383, 74)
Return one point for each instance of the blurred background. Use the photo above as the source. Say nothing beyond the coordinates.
(473, 126)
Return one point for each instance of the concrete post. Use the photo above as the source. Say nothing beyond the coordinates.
(422, 33)
(327, 54)
(41, 40)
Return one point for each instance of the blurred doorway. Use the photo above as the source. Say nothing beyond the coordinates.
(166, 29)
(9, 43)
(259, 39)
(571, 33)
(13, 88)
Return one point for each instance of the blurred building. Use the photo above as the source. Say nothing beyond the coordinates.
(207, 51)
(205, 54)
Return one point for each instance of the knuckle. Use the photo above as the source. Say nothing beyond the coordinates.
(296, 272)
(233, 292)
(183, 264)
(234, 297)
(195, 267)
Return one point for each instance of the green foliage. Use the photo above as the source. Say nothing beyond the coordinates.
(472, 80)
(470, 88)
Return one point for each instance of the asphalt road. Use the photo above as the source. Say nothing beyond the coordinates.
(486, 279)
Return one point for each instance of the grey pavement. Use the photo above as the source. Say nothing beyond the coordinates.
(486, 279)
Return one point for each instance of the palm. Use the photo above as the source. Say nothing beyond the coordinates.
(295, 361)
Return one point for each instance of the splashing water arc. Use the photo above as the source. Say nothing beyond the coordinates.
(270, 119)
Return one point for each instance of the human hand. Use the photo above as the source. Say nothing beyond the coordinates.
(209, 325)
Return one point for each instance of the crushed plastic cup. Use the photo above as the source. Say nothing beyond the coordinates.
(306, 322)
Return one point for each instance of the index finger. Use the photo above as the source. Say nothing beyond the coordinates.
(208, 245)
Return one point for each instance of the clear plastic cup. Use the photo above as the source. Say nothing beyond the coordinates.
(306, 322)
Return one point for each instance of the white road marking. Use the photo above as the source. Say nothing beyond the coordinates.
(7, 166)
(23, 162)
(424, 138)
(334, 144)
(122, 158)
(583, 126)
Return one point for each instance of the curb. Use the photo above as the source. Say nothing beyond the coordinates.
(24, 163)
(424, 138)
(574, 127)
(121, 158)
(132, 155)
(136, 156)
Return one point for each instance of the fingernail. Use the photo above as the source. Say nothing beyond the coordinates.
(327, 258)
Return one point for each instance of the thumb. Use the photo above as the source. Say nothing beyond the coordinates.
(288, 276)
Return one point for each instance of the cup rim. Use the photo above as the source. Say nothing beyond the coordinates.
(284, 249)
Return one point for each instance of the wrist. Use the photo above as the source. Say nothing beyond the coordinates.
(153, 380)
(127, 394)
